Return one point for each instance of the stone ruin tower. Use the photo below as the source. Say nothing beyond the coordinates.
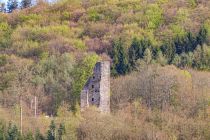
(96, 91)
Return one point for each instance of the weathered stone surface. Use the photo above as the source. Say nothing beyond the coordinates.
(96, 92)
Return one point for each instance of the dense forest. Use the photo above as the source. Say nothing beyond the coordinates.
(160, 56)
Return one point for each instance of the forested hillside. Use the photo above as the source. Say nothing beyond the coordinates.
(160, 56)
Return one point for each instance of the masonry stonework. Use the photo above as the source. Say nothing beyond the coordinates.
(96, 91)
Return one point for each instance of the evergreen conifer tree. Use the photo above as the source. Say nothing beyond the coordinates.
(133, 53)
(179, 45)
(25, 3)
(176, 60)
(61, 131)
(29, 136)
(202, 36)
(13, 133)
(147, 56)
(38, 135)
(168, 50)
(119, 57)
(191, 42)
(51, 134)
(2, 131)
(136, 51)
(12, 5)
(142, 47)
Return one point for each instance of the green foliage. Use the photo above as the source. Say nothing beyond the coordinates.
(202, 57)
(202, 36)
(3, 60)
(65, 16)
(168, 50)
(161, 59)
(79, 44)
(30, 17)
(51, 134)
(55, 133)
(154, 16)
(178, 30)
(81, 74)
(38, 135)
(69, 122)
(193, 3)
(34, 34)
(133, 50)
(2, 130)
(207, 27)
(182, 15)
(13, 132)
(176, 60)
(119, 56)
(41, 34)
(147, 56)
(96, 30)
(28, 48)
(5, 32)
(136, 51)
(93, 15)
(61, 131)
(45, 50)
(12, 5)
(162, 1)
(56, 74)
(186, 60)
(181, 45)
(29, 136)
(184, 44)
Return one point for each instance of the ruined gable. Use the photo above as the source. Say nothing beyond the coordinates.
(96, 92)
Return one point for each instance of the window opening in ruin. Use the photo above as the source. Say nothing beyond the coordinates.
(92, 99)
